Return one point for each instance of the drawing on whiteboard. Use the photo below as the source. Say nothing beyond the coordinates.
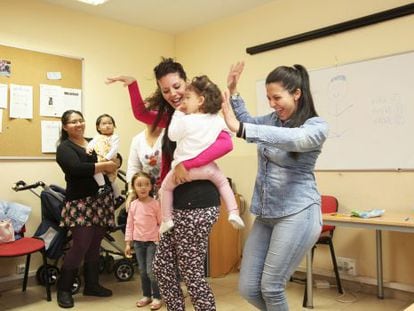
(339, 103)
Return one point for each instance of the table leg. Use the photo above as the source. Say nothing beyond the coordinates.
(380, 288)
(309, 282)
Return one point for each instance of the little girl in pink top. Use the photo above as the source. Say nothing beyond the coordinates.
(142, 229)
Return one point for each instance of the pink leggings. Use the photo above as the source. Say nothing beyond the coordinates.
(210, 172)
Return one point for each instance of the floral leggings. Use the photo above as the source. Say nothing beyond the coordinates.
(186, 246)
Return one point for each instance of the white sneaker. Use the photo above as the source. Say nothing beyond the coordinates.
(166, 226)
(236, 221)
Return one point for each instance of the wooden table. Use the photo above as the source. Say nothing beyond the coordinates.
(388, 222)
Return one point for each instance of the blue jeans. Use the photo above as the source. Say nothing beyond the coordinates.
(144, 252)
(273, 250)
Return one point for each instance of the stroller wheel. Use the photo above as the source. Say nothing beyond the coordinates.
(101, 263)
(76, 285)
(109, 263)
(123, 270)
(41, 274)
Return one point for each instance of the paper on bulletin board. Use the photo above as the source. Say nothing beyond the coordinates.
(51, 100)
(50, 135)
(3, 95)
(21, 101)
(72, 99)
(1, 120)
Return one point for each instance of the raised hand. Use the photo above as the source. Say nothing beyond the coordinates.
(125, 79)
(234, 75)
(228, 113)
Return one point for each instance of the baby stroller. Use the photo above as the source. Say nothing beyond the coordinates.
(122, 268)
(57, 239)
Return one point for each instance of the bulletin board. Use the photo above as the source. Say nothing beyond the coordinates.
(369, 106)
(21, 138)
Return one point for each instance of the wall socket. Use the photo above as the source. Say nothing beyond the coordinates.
(20, 268)
(346, 265)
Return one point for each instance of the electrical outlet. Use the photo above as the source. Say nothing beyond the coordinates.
(20, 268)
(346, 265)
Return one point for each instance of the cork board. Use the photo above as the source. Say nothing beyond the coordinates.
(21, 138)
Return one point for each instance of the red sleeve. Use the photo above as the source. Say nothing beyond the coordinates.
(165, 168)
(219, 148)
(138, 107)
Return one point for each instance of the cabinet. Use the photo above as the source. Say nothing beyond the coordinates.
(224, 245)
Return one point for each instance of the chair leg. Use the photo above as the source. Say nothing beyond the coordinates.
(338, 279)
(305, 295)
(26, 272)
(48, 295)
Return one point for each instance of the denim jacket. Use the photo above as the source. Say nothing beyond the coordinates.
(285, 182)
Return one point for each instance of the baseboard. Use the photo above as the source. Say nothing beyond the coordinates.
(363, 284)
(16, 281)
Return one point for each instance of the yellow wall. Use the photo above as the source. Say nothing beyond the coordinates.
(111, 48)
(211, 50)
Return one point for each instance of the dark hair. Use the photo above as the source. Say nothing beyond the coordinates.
(99, 119)
(146, 175)
(64, 119)
(293, 78)
(203, 86)
(165, 67)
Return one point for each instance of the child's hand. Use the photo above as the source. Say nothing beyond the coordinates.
(89, 150)
(128, 251)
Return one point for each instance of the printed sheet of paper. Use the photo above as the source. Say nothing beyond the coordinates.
(1, 120)
(3, 95)
(72, 99)
(51, 100)
(50, 135)
(21, 101)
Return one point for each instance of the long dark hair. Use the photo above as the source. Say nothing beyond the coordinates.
(158, 102)
(293, 78)
(64, 120)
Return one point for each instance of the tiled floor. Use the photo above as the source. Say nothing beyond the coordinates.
(225, 290)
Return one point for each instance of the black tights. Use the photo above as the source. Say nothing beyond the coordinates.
(86, 242)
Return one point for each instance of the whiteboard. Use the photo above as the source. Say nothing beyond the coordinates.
(369, 106)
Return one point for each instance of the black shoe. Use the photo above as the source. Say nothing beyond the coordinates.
(65, 299)
(97, 291)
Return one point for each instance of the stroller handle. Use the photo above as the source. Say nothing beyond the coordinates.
(21, 185)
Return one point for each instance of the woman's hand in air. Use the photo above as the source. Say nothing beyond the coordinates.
(234, 76)
(181, 174)
(125, 79)
(228, 114)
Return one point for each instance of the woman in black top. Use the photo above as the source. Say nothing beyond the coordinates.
(196, 203)
(85, 213)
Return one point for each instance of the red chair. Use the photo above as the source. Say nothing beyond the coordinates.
(329, 205)
(26, 247)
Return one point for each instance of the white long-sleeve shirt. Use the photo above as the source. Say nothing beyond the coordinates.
(193, 133)
(143, 157)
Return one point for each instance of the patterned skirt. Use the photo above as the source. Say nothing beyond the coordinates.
(93, 210)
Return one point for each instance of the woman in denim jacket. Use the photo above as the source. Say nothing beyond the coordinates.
(285, 201)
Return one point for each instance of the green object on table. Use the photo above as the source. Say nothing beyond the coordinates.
(368, 214)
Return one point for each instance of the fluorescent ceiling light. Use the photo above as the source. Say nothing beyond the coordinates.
(93, 2)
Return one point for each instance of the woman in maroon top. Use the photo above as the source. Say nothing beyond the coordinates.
(196, 203)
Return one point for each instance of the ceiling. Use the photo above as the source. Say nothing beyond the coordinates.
(169, 16)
